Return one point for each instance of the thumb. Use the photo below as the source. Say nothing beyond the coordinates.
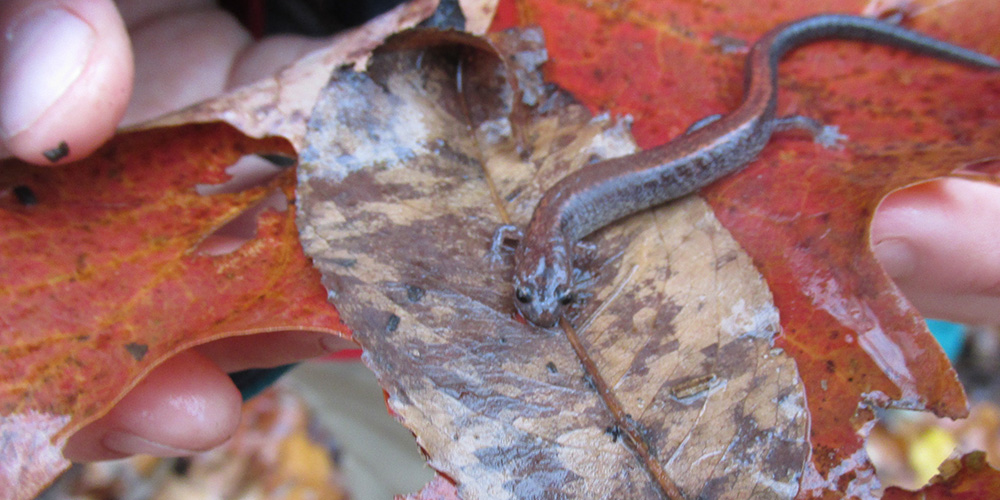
(65, 77)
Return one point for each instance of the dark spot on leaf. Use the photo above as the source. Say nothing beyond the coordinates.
(81, 263)
(551, 367)
(138, 351)
(57, 153)
(446, 152)
(513, 194)
(725, 259)
(414, 293)
(614, 431)
(392, 324)
(25, 196)
(348, 263)
(830, 367)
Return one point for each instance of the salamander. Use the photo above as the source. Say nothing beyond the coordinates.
(712, 148)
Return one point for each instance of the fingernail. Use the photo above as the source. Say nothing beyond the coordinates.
(898, 257)
(130, 444)
(43, 53)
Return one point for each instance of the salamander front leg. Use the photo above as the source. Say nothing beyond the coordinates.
(584, 251)
(828, 136)
(506, 232)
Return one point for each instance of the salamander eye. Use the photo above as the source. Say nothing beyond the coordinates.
(524, 295)
(564, 296)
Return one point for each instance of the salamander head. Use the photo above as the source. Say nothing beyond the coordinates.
(543, 283)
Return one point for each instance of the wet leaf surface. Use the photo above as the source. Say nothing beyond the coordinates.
(409, 169)
(102, 280)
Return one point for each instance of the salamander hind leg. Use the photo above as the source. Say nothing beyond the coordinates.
(828, 136)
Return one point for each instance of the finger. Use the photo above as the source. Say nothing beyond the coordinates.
(267, 350)
(136, 12)
(193, 52)
(183, 58)
(941, 244)
(65, 79)
(267, 57)
(183, 406)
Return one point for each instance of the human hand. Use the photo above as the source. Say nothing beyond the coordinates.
(940, 241)
(67, 76)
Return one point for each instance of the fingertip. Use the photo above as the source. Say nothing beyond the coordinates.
(65, 79)
(185, 405)
(900, 224)
(940, 242)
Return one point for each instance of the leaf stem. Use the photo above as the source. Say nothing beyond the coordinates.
(623, 421)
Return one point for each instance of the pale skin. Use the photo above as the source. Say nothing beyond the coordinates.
(940, 240)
